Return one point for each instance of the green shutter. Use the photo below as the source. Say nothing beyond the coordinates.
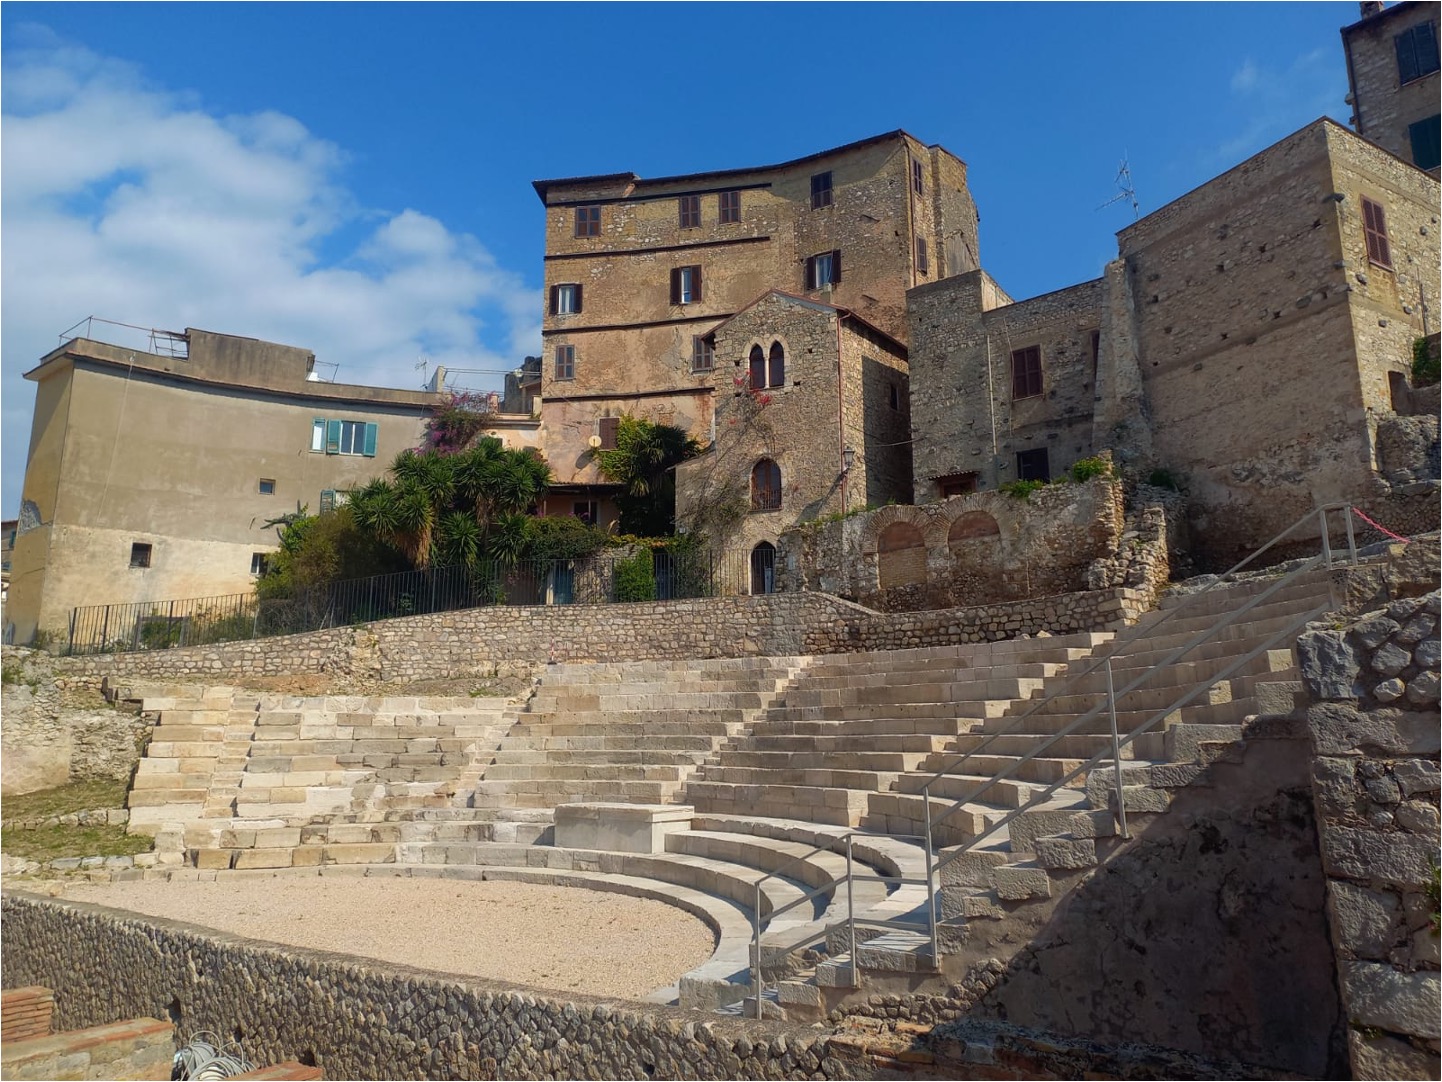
(332, 437)
(370, 441)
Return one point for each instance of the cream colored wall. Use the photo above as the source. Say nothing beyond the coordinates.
(42, 480)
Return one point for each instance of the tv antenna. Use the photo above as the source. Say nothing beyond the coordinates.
(1125, 189)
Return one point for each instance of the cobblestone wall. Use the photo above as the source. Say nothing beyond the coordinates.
(362, 1019)
(471, 640)
(1375, 783)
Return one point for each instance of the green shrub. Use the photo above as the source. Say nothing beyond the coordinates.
(1020, 490)
(1425, 366)
(1085, 469)
(636, 578)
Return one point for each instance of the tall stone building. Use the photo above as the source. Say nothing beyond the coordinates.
(1247, 342)
(640, 272)
(1392, 76)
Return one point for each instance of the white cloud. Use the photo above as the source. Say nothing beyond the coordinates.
(1278, 100)
(130, 201)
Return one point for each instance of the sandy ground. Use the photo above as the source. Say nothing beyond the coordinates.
(560, 938)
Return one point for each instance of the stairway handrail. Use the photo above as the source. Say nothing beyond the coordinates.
(1133, 633)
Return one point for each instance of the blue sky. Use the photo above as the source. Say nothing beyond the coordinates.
(355, 179)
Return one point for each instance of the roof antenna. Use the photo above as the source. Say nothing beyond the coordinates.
(1125, 190)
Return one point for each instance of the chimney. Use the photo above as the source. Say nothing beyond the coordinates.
(1370, 8)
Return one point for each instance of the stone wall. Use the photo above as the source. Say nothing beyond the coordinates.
(361, 1019)
(51, 737)
(1383, 106)
(470, 640)
(981, 548)
(1375, 783)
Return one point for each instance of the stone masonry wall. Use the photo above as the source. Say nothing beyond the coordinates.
(363, 1019)
(1375, 783)
(452, 643)
(1384, 106)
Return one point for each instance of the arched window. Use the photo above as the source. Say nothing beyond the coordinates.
(763, 568)
(758, 369)
(765, 486)
(778, 366)
(972, 526)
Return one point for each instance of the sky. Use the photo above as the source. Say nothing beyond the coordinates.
(355, 178)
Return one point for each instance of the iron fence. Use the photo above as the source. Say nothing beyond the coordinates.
(656, 576)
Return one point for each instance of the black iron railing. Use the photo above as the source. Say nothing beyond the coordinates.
(656, 576)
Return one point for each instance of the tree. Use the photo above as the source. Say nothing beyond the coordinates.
(644, 463)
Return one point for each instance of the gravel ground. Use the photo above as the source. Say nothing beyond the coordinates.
(561, 938)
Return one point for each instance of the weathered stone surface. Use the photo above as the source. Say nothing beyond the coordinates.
(1339, 729)
(1427, 654)
(1391, 659)
(1418, 817)
(1404, 859)
(1416, 629)
(1381, 1058)
(1378, 995)
(1373, 632)
(1423, 689)
(1330, 664)
(1389, 691)
(1365, 921)
(1417, 776)
(1384, 790)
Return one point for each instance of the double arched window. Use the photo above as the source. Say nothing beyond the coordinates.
(765, 486)
(768, 370)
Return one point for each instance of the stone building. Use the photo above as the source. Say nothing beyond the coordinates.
(1392, 77)
(639, 272)
(1246, 343)
(150, 475)
(811, 419)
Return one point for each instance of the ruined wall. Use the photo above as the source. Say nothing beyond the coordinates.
(1375, 782)
(968, 550)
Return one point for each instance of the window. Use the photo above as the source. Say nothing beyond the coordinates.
(259, 563)
(685, 285)
(1425, 135)
(690, 206)
(730, 207)
(607, 428)
(336, 437)
(139, 554)
(1033, 465)
(703, 354)
(821, 190)
(823, 270)
(765, 486)
(267, 486)
(565, 362)
(757, 362)
(921, 264)
(565, 299)
(588, 221)
(916, 184)
(1374, 227)
(958, 484)
(1026, 372)
(1416, 52)
(776, 366)
(763, 568)
(893, 394)
(585, 510)
(327, 500)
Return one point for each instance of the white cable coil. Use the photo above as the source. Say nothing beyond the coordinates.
(204, 1058)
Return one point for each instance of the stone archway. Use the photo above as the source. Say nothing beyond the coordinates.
(900, 556)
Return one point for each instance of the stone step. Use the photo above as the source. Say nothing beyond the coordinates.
(885, 761)
(801, 744)
(810, 778)
(1179, 674)
(956, 708)
(652, 756)
(838, 806)
(930, 673)
(919, 692)
(537, 793)
(562, 772)
(1073, 746)
(863, 727)
(1226, 597)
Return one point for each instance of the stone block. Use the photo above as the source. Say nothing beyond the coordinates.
(1017, 883)
(263, 858)
(1364, 922)
(213, 858)
(1380, 1057)
(1066, 852)
(1378, 995)
(621, 828)
(1330, 663)
(1404, 859)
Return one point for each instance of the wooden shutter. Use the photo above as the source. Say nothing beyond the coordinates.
(836, 267)
(1374, 226)
(332, 437)
(676, 285)
(327, 500)
(811, 272)
(577, 306)
(696, 284)
(1407, 66)
(607, 430)
(555, 300)
(370, 444)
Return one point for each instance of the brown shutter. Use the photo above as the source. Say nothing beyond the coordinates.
(555, 298)
(675, 286)
(811, 272)
(696, 284)
(578, 297)
(836, 267)
(609, 428)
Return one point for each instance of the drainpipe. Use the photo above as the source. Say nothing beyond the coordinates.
(991, 407)
(841, 418)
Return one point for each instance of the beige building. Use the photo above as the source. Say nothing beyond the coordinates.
(151, 476)
(1392, 77)
(1248, 341)
(640, 272)
(811, 419)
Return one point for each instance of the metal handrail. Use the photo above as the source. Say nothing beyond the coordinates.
(1325, 559)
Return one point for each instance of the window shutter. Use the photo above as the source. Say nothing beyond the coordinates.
(836, 267)
(1424, 46)
(675, 286)
(370, 447)
(608, 431)
(1406, 57)
(332, 437)
(327, 500)
(555, 299)
(577, 288)
(811, 272)
(696, 284)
